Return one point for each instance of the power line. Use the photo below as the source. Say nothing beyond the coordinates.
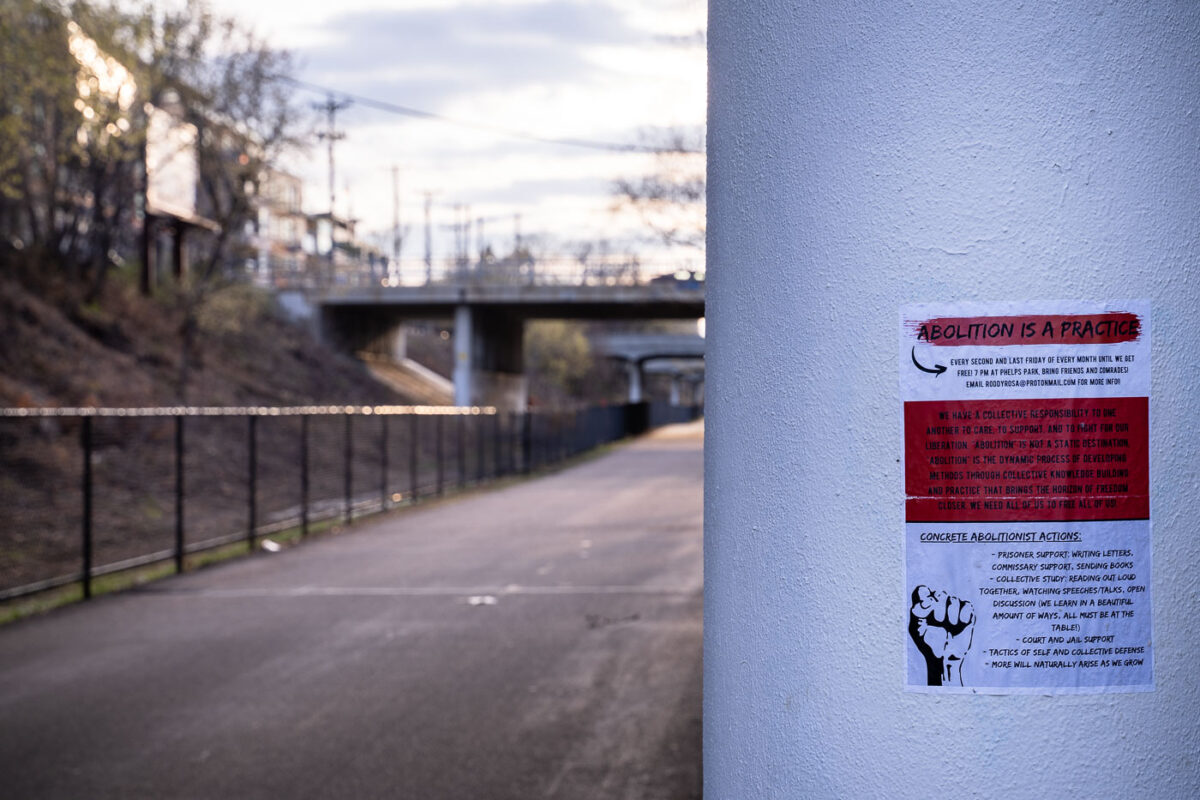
(395, 108)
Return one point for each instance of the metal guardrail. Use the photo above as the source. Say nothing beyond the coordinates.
(607, 271)
(88, 492)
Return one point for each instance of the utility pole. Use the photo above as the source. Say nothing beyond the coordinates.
(396, 241)
(458, 245)
(428, 238)
(331, 135)
(466, 237)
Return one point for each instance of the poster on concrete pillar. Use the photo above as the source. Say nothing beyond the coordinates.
(1026, 465)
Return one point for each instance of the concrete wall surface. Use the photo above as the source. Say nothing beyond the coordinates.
(863, 156)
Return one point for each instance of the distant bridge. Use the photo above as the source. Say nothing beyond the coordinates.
(488, 318)
(680, 356)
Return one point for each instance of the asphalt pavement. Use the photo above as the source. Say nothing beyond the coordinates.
(541, 640)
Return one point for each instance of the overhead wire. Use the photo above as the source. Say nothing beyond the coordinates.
(416, 113)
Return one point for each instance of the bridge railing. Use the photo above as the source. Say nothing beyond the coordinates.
(595, 271)
(88, 492)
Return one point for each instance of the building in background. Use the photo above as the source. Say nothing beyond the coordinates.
(173, 227)
(281, 230)
(336, 256)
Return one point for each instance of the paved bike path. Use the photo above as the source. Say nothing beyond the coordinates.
(542, 640)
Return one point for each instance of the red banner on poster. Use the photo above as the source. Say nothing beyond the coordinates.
(1023, 460)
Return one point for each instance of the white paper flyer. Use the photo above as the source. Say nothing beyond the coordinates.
(1027, 497)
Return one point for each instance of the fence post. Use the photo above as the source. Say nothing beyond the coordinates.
(349, 467)
(575, 434)
(414, 430)
(564, 436)
(462, 451)
(527, 443)
(516, 438)
(383, 462)
(479, 448)
(252, 447)
(510, 445)
(85, 436)
(304, 474)
(497, 468)
(438, 425)
(179, 445)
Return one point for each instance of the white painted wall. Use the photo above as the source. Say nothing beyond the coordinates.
(866, 155)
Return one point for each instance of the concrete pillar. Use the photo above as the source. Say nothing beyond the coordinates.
(398, 341)
(464, 389)
(634, 370)
(676, 380)
(489, 366)
(867, 156)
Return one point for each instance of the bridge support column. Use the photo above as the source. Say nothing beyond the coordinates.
(489, 363)
(675, 386)
(464, 388)
(636, 379)
(926, 152)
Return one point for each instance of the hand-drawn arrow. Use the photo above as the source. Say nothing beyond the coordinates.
(938, 369)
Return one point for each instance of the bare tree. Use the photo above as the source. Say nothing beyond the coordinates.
(226, 82)
(80, 80)
(669, 198)
(70, 142)
(229, 86)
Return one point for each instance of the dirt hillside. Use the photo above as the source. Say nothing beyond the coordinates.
(125, 350)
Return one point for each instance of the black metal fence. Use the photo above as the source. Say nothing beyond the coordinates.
(89, 492)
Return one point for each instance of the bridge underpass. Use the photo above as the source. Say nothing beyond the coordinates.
(680, 357)
(488, 322)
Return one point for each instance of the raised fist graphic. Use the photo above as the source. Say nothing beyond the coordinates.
(941, 627)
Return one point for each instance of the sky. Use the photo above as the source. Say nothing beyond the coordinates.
(601, 70)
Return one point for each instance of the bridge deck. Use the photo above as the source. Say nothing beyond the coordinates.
(635, 301)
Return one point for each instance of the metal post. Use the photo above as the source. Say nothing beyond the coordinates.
(304, 474)
(85, 436)
(496, 466)
(414, 430)
(573, 445)
(349, 467)
(252, 446)
(479, 449)
(383, 463)
(527, 443)
(462, 451)
(561, 424)
(569, 423)
(438, 447)
(179, 444)
(514, 440)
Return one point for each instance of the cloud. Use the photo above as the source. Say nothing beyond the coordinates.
(426, 56)
(532, 190)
